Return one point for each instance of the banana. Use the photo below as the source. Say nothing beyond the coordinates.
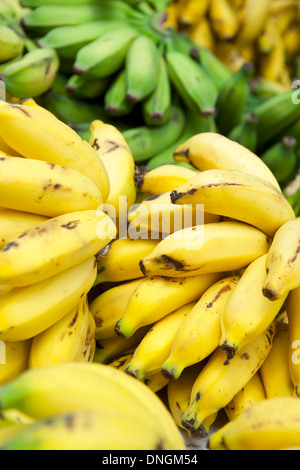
(220, 381)
(62, 342)
(47, 189)
(224, 19)
(141, 68)
(115, 100)
(11, 418)
(234, 96)
(179, 393)
(278, 420)
(215, 247)
(192, 12)
(275, 371)
(201, 33)
(119, 261)
(245, 133)
(164, 179)
(214, 67)
(146, 142)
(242, 322)
(72, 387)
(292, 307)
(228, 192)
(147, 305)
(85, 87)
(27, 311)
(115, 154)
(210, 151)
(281, 158)
(14, 360)
(254, 16)
(106, 55)
(88, 349)
(253, 392)
(155, 347)
(192, 83)
(282, 266)
(11, 44)
(57, 143)
(7, 13)
(14, 223)
(33, 75)
(192, 343)
(273, 63)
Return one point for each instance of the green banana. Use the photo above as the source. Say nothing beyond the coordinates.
(33, 75)
(156, 108)
(159, 5)
(7, 13)
(281, 158)
(245, 133)
(265, 89)
(192, 83)
(68, 40)
(115, 100)
(181, 43)
(218, 72)
(141, 68)
(146, 142)
(106, 55)
(86, 88)
(11, 44)
(70, 3)
(233, 98)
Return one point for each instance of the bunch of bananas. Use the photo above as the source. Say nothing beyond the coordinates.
(264, 32)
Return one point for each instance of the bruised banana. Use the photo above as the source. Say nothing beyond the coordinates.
(163, 179)
(14, 223)
(14, 360)
(238, 195)
(41, 136)
(54, 246)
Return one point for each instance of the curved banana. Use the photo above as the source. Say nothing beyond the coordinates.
(45, 189)
(46, 138)
(164, 179)
(14, 223)
(155, 347)
(239, 195)
(156, 297)
(283, 262)
(117, 158)
(210, 151)
(14, 360)
(219, 247)
(248, 313)
(25, 312)
(200, 332)
(292, 307)
(278, 428)
(54, 246)
(220, 381)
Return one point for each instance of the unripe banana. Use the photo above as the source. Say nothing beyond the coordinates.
(115, 100)
(245, 133)
(281, 158)
(11, 44)
(85, 87)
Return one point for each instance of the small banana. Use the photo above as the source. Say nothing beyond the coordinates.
(253, 392)
(14, 223)
(14, 360)
(164, 179)
(83, 87)
(254, 16)
(115, 100)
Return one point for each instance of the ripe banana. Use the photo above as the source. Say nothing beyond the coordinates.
(11, 44)
(14, 223)
(219, 381)
(155, 347)
(292, 307)
(57, 143)
(275, 371)
(115, 100)
(72, 387)
(88, 349)
(200, 332)
(283, 263)
(224, 19)
(194, 251)
(210, 151)
(253, 392)
(27, 311)
(278, 420)
(119, 261)
(14, 360)
(164, 179)
(156, 297)
(115, 154)
(54, 246)
(238, 195)
(248, 312)
(281, 158)
(253, 19)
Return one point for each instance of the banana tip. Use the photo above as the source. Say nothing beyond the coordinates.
(168, 374)
(142, 267)
(270, 294)
(78, 70)
(200, 433)
(229, 351)
(118, 330)
(132, 98)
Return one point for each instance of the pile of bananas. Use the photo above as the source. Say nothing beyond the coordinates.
(264, 32)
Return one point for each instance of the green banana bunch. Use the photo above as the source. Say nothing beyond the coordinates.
(115, 99)
(192, 83)
(233, 98)
(33, 75)
(11, 44)
(281, 158)
(245, 133)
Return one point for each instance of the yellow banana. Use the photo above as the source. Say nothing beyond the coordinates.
(14, 360)
(4, 148)
(156, 297)
(201, 33)
(40, 137)
(14, 223)
(238, 195)
(193, 11)
(291, 43)
(200, 332)
(119, 261)
(293, 311)
(254, 16)
(219, 381)
(283, 262)
(272, 63)
(117, 158)
(268, 425)
(194, 251)
(210, 151)
(224, 19)
(88, 350)
(248, 313)
(11, 418)
(252, 393)
(155, 347)
(25, 312)
(163, 179)
(275, 371)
